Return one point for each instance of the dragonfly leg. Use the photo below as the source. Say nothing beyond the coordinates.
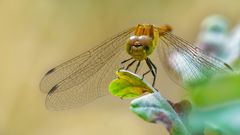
(139, 62)
(122, 66)
(152, 71)
(145, 74)
(126, 60)
(129, 65)
(155, 68)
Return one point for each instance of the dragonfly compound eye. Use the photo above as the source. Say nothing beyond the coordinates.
(132, 40)
(145, 40)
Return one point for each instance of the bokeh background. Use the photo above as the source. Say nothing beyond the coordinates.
(36, 35)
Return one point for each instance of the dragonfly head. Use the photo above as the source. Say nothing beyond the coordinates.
(139, 47)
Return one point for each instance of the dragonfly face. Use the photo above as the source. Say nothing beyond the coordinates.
(139, 47)
(143, 42)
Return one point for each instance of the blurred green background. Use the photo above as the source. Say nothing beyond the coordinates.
(36, 35)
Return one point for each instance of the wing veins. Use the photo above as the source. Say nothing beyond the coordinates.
(202, 57)
(186, 58)
(95, 54)
(197, 63)
(206, 57)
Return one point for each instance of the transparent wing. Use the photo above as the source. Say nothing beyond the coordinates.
(88, 90)
(78, 81)
(186, 63)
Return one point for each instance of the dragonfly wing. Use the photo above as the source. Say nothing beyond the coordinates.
(59, 73)
(88, 90)
(186, 63)
(78, 70)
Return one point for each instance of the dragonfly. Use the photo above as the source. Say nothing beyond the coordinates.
(86, 77)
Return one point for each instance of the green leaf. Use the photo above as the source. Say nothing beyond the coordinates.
(216, 91)
(224, 119)
(216, 105)
(128, 85)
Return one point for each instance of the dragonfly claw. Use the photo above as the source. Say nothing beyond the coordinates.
(120, 68)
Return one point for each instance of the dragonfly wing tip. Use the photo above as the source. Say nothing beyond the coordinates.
(54, 88)
(50, 71)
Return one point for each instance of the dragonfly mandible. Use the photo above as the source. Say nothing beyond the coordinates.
(84, 78)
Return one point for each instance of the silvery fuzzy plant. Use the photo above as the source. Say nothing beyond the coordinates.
(213, 108)
(152, 107)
